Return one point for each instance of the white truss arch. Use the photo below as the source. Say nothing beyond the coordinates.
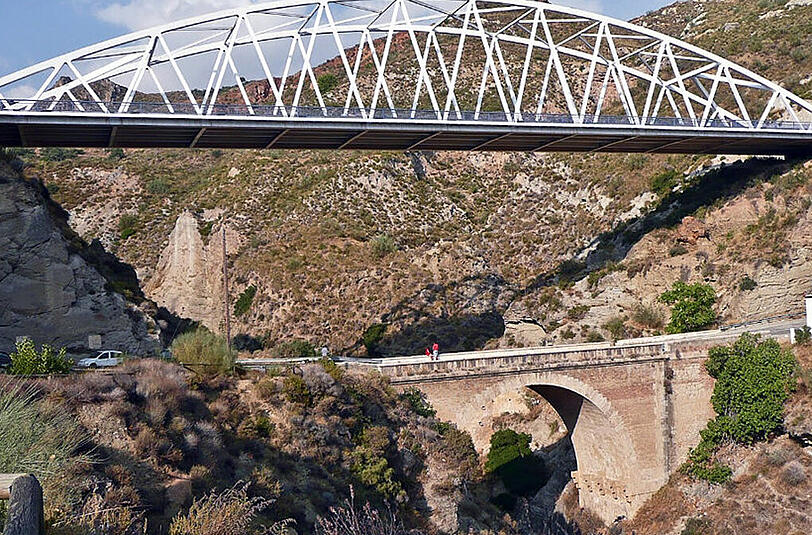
(512, 62)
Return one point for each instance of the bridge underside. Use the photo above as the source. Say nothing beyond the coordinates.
(81, 130)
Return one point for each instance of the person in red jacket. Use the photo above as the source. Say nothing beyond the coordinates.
(428, 354)
(435, 351)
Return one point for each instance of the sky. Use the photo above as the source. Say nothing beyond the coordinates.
(42, 29)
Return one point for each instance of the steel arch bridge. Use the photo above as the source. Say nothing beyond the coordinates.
(402, 74)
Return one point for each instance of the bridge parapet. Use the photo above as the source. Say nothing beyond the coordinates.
(511, 362)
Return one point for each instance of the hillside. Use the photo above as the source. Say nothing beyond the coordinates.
(468, 249)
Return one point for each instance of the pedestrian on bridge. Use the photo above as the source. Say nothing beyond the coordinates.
(435, 351)
(428, 354)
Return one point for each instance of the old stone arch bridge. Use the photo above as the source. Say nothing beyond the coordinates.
(632, 411)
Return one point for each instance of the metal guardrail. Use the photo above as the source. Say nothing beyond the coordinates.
(334, 112)
(798, 315)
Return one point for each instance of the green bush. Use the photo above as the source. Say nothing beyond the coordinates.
(295, 390)
(803, 336)
(616, 327)
(418, 402)
(55, 154)
(691, 307)
(371, 466)
(594, 336)
(35, 436)
(648, 316)
(244, 301)
(373, 336)
(754, 378)
(663, 183)
(747, 284)
(204, 352)
(577, 313)
(158, 186)
(332, 369)
(696, 526)
(115, 154)
(512, 460)
(294, 349)
(26, 360)
(327, 82)
(383, 245)
(127, 226)
(677, 250)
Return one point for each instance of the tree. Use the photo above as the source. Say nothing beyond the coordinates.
(512, 460)
(691, 307)
(754, 378)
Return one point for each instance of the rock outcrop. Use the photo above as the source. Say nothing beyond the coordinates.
(51, 284)
(189, 278)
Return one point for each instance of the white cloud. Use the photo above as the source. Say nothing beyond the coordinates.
(141, 14)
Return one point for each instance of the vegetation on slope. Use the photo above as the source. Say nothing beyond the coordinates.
(158, 447)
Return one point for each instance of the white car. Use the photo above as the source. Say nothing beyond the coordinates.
(105, 359)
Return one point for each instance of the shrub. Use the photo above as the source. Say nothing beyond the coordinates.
(127, 226)
(747, 284)
(204, 352)
(663, 183)
(695, 526)
(244, 302)
(35, 436)
(416, 399)
(753, 380)
(56, 154)
(594, 336)
(26, 360)
(648, 316)
(266, 388)
(332, 369)
(115, 154)
(348, 519)
(371, 466)
(327, 82)
(692, 307)
(616, 327)
(294, 349)
(793, 474)
(383, 245)
(511, 459)
(295, 390)
(231, 512)
(373, 336)
(578, 312)
(677, 250)
(803, 336)
(158, 186)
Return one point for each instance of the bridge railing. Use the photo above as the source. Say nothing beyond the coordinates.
(16, 106)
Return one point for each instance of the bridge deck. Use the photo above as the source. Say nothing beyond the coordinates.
(168, 131)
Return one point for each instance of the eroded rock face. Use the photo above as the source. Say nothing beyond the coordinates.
(48, 291)
(189, 279)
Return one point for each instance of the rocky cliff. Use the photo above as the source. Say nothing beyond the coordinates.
(51, 284)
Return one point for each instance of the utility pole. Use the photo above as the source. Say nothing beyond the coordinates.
(225, 288)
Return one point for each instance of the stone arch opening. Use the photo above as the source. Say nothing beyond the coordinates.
(604, 454)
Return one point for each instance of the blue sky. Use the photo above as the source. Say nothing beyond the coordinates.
(36, 30)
